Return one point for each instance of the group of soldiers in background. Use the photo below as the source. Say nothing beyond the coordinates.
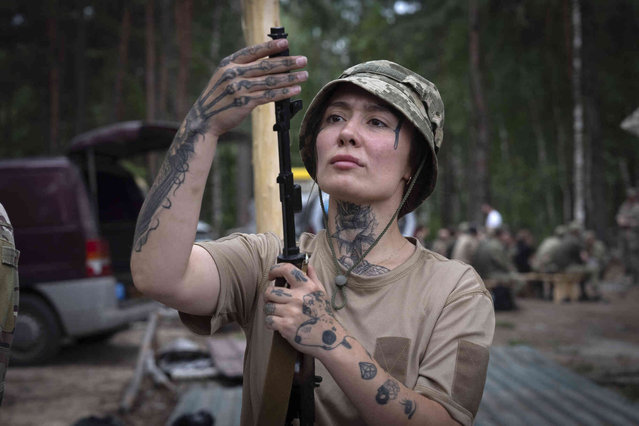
(628, 222)
(501, 258)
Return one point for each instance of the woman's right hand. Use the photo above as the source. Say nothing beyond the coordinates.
(242, 81)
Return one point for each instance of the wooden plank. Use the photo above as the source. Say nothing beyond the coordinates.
(227, 353)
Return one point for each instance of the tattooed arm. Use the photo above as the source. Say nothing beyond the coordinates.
(164, 263)
(303, 315)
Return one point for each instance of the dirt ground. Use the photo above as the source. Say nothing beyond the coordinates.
(599, 340)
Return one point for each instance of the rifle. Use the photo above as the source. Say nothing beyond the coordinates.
(301, 393)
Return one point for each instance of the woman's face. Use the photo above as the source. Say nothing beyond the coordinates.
(363, 148)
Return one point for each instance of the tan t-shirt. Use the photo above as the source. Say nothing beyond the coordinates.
(428, 322)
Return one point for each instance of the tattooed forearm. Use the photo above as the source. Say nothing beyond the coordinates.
(389, 390)
(409, 407)
(171, 175)
(368, 370)
(195, 125)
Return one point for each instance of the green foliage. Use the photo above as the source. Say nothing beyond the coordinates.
(526, 76)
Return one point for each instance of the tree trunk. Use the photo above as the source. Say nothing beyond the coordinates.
(183, 20)
(481, 190)
(165, 25)
(150, 59)
(257, 19)
(542, 159)
(80, 70)
(152, 158)
(125, 32)
(578, 119)
(596, 205)
(54, 80)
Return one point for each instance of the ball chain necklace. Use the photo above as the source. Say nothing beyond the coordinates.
(342, 279)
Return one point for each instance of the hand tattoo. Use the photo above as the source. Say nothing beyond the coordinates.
(176, 164)
(320, 330)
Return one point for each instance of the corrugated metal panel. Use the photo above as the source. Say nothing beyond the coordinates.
(525, 388)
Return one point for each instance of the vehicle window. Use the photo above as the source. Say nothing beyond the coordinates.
(119, 198)
(42, 200)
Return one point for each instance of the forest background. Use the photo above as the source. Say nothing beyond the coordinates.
(535, 91)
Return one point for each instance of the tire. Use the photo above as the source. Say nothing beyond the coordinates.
(38, 334)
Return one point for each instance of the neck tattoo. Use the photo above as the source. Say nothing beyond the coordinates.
(351, 221)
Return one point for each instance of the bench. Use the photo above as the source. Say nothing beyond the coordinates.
(565, 285)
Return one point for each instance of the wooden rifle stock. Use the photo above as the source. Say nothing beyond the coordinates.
(290, 380)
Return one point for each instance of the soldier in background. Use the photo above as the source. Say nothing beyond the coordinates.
(542, 261)
(494, 265)
(8, 292)
(597, 259)
(570, 256)
(466, 243)
(628, 222)
(443, 242)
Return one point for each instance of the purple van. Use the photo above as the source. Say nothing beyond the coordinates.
(74, 218)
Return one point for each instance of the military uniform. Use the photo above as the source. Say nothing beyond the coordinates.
(542, 259)
(8, 292)
(628, 220)
(596, 263)
(492, 263)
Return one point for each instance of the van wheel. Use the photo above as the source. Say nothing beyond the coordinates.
(38, 335)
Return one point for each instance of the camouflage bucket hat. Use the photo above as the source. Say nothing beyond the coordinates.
(411, 94)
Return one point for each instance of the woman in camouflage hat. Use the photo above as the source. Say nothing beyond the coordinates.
(398, 333)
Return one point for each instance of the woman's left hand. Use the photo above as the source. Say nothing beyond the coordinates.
(302, 314)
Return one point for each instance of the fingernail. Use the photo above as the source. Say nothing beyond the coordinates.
(303, 75)
(301, 61)
(282, 43)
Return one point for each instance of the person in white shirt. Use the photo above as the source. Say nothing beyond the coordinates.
(493, 217)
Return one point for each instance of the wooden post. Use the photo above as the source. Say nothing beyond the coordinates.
(258, 16)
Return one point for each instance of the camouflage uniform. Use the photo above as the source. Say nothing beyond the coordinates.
(492, 263)
(596, 263)
(628, 221)
(8, 292)
(543, 258)
(491, 260)
(466, 244)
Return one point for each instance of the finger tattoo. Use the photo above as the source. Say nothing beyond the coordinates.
(280, 292)
(299, 275)
(269, 309)
(269, 321)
